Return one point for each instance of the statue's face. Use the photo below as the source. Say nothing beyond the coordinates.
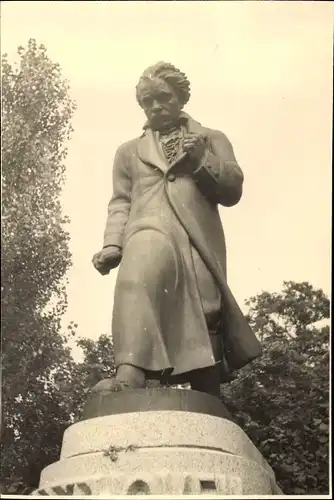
(159, 103)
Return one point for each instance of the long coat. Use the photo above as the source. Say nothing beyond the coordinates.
(193, 200)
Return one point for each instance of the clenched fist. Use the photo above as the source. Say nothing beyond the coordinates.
(108, 258)
(194, 145)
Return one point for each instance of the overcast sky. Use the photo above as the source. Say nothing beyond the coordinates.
(260, 71)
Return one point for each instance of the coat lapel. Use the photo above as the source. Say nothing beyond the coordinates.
(193, 126)
(149, 151)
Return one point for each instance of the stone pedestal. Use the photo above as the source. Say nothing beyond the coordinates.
(160, 442)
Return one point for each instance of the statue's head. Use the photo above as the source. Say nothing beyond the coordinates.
(162, 91)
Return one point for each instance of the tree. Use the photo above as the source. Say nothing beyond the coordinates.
(282, 399)
(36, 123)
(78, 378)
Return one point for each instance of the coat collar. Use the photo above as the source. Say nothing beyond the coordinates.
(148, 147)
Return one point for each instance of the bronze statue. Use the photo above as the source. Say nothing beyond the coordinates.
(174, 316)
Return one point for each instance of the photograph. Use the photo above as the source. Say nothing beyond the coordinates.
(166, 175)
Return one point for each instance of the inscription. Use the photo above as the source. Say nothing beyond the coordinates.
(84, 488)
(187, 489)
(231, 484)
(68, 489)
(208, 486)
(139, 487)
(61, 490)
(120, 483)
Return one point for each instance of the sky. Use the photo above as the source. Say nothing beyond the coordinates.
(261, 72)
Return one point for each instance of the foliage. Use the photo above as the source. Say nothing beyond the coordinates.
(282, 399)
(78, 378)
(36, 123)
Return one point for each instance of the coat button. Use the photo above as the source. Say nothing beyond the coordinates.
(171, 177)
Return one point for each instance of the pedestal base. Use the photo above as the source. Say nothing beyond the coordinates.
(158, 452)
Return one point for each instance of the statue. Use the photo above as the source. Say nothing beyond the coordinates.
(174, 318)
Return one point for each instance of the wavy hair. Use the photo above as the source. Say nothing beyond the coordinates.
(171, 75)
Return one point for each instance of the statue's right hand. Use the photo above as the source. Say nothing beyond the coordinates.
(108, 258)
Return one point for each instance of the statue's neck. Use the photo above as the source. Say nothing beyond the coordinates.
(169, 130)
(169, 127)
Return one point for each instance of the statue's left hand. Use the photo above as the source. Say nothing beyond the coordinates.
(194, 145)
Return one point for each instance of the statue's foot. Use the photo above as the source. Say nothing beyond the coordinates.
(110, 385)
(127, 377)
